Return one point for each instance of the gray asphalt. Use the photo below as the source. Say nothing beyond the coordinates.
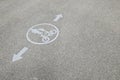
(87, 48)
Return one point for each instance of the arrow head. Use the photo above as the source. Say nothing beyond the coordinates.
(16, 57)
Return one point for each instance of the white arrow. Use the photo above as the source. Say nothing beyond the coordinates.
(17, 56)
(59, 16)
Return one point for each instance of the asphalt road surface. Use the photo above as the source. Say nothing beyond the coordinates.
(87, 47)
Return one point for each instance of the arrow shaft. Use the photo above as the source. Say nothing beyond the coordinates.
(57, 18)
(22, 51)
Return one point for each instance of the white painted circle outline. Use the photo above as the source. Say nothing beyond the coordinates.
(27, 34)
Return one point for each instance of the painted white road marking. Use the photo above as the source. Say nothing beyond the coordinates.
(18, 56)
(59, 16)
(43, 33)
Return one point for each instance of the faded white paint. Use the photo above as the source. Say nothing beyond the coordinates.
(18, 56)
(59, 16)
(45, 38)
